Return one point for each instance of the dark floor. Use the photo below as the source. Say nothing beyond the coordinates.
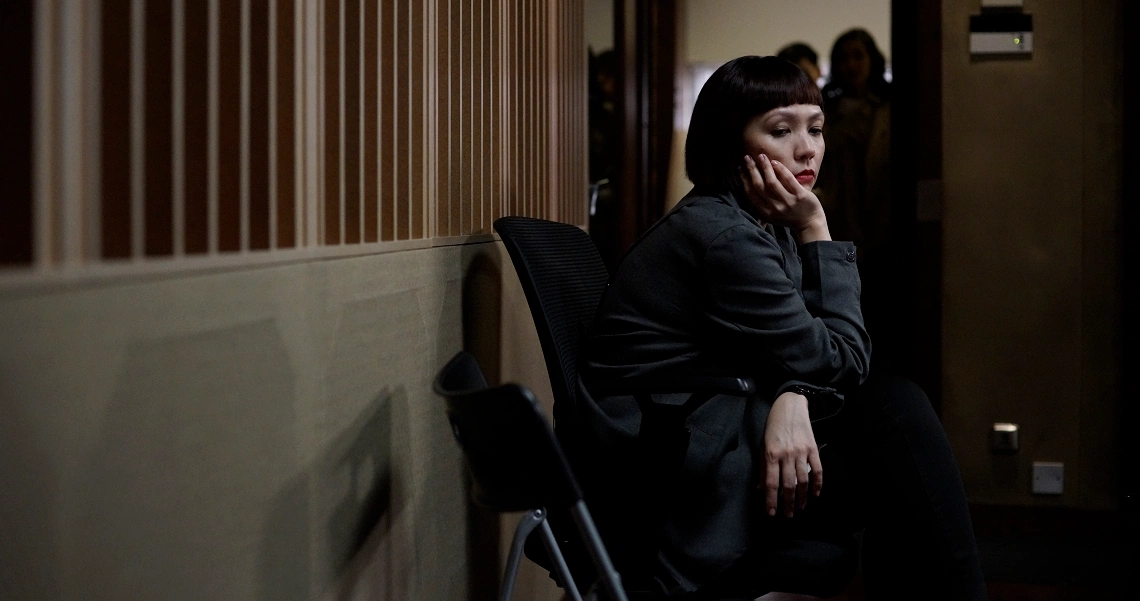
(1031, 554)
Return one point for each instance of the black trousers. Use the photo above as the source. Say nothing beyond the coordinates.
(888, 472)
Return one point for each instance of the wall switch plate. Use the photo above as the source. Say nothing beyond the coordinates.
(1048, 478)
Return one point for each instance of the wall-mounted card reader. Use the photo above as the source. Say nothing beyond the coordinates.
(1001, 33)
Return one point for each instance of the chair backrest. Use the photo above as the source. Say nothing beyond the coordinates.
(563, 277)
(514, 459)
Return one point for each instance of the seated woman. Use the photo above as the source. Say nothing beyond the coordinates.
(742, 278)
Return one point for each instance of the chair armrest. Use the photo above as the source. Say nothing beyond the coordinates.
(658, 384)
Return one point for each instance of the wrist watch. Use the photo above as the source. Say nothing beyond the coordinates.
(802, 390)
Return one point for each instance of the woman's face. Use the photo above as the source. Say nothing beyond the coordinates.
(792, 135)
(854, 63)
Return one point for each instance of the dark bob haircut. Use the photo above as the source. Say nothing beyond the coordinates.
(739, 90)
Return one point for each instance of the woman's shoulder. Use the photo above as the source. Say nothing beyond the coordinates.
(709, 213)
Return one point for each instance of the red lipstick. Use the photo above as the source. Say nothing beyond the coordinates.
(806, 176)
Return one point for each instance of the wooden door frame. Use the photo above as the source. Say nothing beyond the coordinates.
(1130, 197)
(914, 342)
(645, 34)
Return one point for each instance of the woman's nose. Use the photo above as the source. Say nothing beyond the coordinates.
(806, 148)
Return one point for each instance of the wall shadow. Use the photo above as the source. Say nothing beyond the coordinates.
(482, 327)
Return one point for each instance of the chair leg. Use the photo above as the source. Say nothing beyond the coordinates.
(527, 524)
(611, 580)
(535, 518)
(559, 561)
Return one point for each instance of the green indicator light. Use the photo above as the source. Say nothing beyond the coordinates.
(1016, 40)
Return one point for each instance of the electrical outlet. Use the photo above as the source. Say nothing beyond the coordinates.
(1048, 478)
(1003, 438)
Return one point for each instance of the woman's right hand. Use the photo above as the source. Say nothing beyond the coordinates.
(780, 199)
(791, 457)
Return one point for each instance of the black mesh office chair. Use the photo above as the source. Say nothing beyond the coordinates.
(516, 464)
(563, 278)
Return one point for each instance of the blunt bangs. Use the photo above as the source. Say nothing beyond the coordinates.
(735, 93)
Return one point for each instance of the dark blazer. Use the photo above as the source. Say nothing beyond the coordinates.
(707, 290)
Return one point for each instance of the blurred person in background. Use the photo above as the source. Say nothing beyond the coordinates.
(604, 123)
(802, 55)
(855, 189)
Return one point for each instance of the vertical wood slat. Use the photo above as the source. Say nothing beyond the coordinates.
(115, 232)
(497, 125)
(510, 77)
(532, 112)
(443, 126)
(332, 124)
(543, 104)
(137, 10)
(402, 177)
(258, 176)
(158, 158)
(455, 140)
(415, 156)
(525, 130)
(310, 165)
(351, 121)
(284, 106)
(17, 225)
(488, 104)
(195, 128)
(371, 50)
(387, 109)
(518, 125)
(229, 89)
(474, 117)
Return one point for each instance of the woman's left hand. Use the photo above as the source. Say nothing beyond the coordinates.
(791, 455)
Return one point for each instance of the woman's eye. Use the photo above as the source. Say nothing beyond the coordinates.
(816, 131)
(781, 132)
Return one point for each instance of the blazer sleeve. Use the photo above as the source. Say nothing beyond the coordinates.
(817, 337)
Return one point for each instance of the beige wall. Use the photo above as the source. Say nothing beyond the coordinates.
(720, 30)
(256, 434)
(599, 25)
(1032, 155)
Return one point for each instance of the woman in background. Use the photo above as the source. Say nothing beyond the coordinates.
(856, 187)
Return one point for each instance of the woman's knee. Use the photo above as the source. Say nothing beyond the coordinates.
(902, 400)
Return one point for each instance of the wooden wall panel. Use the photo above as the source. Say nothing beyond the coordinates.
(430, 120)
